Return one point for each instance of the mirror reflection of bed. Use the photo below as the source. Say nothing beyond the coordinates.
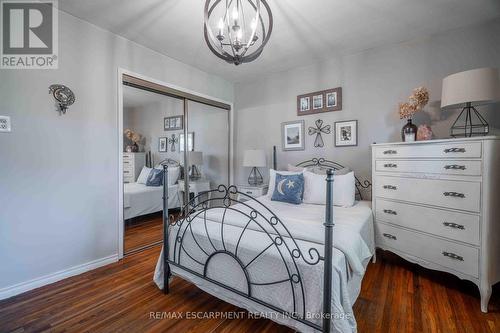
(154, 130)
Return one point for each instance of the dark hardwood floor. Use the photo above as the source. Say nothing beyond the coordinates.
(396, 297)
(143, 231)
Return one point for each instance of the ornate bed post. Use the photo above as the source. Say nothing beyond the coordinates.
(328, 262)
(166, 267)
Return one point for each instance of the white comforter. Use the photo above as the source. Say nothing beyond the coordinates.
(353, 247)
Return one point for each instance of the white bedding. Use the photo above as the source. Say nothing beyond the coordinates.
(139, 199)
(353, 248)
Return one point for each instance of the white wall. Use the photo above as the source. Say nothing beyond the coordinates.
(373, 84)
(58, 174)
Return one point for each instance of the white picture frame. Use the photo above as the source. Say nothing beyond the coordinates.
(190, 141)
(292, 135)
(317, 102)
(331, 99)
(162, 145)
(305, 104)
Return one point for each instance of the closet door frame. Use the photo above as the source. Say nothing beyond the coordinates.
(147, 83)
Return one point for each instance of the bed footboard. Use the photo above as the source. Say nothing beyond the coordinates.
(198, 257)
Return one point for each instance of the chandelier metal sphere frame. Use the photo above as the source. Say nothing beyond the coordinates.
(237, 39)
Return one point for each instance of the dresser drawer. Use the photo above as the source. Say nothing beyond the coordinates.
(445, 167)
(458, 257)
(454, 225)
(253, 192)
(445, 150)
(443, 193)
(127, 178)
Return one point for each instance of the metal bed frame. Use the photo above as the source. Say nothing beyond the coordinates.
(264, 219)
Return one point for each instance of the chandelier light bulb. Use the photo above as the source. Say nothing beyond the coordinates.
(253, 25)
(235, 13)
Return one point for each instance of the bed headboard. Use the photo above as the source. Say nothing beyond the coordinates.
(324, 163)
(169, 162)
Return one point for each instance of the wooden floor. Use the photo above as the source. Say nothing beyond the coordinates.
(396, 297)
(144, 231)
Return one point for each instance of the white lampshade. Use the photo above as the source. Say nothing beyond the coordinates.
(194, 158)
(477, 86)
(254, 158)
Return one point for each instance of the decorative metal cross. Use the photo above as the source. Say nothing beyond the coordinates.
(318, 143)
(173, 140)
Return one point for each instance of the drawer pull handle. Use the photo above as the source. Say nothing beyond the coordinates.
(127, 162)
(390, 187)
(454, 167)
(390, 165)
(454, 150)
(390, 152)
(125, 171)
(453, 256)
(248, 192)
(454, 225)
(390, 236)
(454, 194)
(390, 211)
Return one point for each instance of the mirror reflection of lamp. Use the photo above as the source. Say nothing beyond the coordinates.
(195, 159)
(255, 159)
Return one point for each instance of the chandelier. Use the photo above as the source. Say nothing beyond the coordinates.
(236, 30)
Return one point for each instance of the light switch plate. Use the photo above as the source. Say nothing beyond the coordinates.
(5, 124)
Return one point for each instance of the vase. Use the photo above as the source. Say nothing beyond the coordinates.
(135, 148)
(424, 132)
(409, 132)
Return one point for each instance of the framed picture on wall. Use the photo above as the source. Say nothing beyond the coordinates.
(162, 145)
(173, 123)
(292, 135)
(304, 103)
(190, 141)
(346, 133)
(320, 101)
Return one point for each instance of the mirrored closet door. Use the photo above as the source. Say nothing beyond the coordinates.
(166, 126)
(207, 147)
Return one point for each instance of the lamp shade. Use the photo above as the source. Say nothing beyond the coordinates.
(194, 158)
(254, 158)
(477, 86)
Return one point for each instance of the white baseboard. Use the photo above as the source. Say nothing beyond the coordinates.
(54, 277)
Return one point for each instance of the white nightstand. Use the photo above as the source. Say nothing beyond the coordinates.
(253, 191)
(195, 186)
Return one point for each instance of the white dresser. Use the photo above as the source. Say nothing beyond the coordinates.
(132, 166)
(436, 203)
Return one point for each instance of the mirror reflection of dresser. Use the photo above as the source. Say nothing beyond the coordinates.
(132, 166)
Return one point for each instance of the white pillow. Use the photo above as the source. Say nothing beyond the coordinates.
(272, 179)
(143, 176)
(173, 173)
(294, 168)
(344, 189)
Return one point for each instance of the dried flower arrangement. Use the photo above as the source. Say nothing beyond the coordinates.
(132, 136)
(416, 102)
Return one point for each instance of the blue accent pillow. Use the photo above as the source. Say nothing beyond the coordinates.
(289, 188)
(155, 178)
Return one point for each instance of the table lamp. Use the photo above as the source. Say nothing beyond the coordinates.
(255, 158)
(466, 90)
(195, 159)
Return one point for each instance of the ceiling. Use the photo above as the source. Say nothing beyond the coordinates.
(305, 31)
